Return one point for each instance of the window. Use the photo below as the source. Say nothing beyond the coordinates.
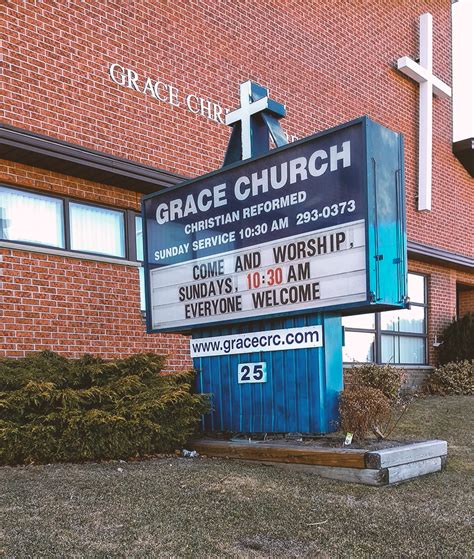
(397, 337)
(31, 218)
(63, 223)
(37, 219)
(95, 229)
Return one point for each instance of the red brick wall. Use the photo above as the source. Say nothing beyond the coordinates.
(17, 174)
(70, 305)
(329, 61)
(76, 307)
(442, 282)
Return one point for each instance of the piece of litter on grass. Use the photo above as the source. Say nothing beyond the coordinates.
(348, 439)
(318, 523)
(298, 437)
(119, 469)
(189, 453)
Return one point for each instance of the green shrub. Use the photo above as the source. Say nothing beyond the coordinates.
(452, 378)
(458, 340)
(55, 409)
(364, 410)
(386, 378)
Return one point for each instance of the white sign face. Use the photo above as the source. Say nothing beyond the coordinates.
(281, 234)
(312, 270)
(251, 373)
(304, 337)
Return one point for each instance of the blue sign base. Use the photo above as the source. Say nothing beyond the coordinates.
(301, 387)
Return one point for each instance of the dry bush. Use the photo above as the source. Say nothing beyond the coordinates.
(452, 378)
(364, 410)
(386, 378)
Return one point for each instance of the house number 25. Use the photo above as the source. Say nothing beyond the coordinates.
(251, 372)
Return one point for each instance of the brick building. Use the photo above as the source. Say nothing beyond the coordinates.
(104, 101)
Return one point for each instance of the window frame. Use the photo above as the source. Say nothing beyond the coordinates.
(377, 330)
(134, 217)
(130, 252)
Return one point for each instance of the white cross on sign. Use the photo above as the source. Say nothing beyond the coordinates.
(248, 108)
(429, 84)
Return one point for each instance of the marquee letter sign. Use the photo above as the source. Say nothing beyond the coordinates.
(311, 226)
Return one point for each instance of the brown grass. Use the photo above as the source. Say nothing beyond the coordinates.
(174, 507)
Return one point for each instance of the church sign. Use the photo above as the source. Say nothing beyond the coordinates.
(314, 225)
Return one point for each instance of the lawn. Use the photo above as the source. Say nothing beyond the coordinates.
(175, 507)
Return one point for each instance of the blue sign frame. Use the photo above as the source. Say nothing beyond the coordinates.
(374, 181)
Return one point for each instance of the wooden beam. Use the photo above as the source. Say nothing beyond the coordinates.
(294, 454)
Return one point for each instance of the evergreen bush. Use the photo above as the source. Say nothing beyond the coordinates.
(54, 409)
(457, 340)
(452, 378)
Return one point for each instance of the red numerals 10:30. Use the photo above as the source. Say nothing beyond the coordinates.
(272, 276)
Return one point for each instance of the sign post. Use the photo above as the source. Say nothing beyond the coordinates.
(259, 260)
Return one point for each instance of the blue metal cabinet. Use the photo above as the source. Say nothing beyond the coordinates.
(302, 388)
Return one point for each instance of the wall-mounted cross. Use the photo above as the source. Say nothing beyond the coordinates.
(253, 123)
(429, 84)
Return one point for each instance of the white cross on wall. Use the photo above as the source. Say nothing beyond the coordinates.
(429, 84)
(247, 109)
